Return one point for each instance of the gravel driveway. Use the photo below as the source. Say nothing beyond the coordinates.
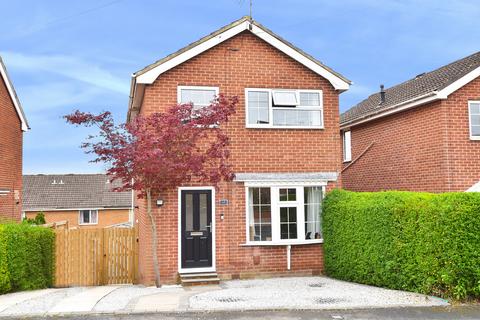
(305, 293)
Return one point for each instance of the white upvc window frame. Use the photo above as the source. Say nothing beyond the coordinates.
(347, 145)
(270, 124)
(196, 106)
(275, 202)
(80, 217)
(472, 137)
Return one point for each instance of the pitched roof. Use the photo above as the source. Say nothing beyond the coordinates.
(72, 191)
(437, 84)
(151, 72)
(13, 95)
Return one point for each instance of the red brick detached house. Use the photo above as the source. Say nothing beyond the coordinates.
(420, 135)
(285, 150)
(12, 125)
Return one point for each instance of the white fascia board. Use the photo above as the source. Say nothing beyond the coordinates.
(150, 76)
(394, 109)
(336, 82)
(13, 96)
(472, 75)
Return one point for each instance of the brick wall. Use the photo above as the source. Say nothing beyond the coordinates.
(10, 157)
(252, 64)
(105, 217)
(426, 148)
(463, 153)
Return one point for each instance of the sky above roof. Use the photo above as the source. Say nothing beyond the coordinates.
(64, 55)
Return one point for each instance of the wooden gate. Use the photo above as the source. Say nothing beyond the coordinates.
(92, 257)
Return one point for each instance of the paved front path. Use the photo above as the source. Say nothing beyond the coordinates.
(302, 293)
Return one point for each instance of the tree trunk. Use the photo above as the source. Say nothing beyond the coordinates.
(154, 238)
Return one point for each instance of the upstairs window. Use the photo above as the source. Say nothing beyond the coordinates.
(474, 114)
(199, 96)
(347, 146)
(267, 108)
(88, 217)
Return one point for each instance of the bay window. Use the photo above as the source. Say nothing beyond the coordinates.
(283, 215)
(269, 108)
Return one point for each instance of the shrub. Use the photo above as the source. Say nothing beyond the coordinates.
(27, 255)
(421, 242)
(38, 220)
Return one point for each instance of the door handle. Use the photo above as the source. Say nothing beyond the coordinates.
(209, 227)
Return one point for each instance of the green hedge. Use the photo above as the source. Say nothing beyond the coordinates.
(421, 242)
(26, 257)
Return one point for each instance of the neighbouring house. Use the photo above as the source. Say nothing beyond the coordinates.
(285, 151)
(420, 135)
(12, 125)
(79, 200)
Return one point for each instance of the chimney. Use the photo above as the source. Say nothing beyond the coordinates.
(382, 93)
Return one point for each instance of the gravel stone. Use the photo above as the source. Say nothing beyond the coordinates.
(304, 293)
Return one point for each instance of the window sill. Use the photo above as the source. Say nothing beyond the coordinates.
(475, 138)
(284, 127)
(347, 161)
(278, 243)
(87, 224)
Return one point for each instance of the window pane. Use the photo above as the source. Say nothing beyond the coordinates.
(265, 195)
(203, 211)
(188, 212)
(260, 227)
(85, 216)
(313, 208)
(476, 120)
(94, 216)
(258, 107)
(475, 108)
(288, 225)
(285, 98)
(292, 234)
(347, 146)
(476, 130)
(288, 194)
(309, 99)
(283, 215)
(199, 97)
(297, 117)
(266, 215)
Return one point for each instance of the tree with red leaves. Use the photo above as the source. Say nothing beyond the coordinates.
(161, 151)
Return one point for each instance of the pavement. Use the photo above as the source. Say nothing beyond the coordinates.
(413, 313)
(295, 293)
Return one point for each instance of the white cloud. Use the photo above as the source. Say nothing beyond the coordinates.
(67, 66)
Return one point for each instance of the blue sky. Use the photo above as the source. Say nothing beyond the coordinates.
(63, 55)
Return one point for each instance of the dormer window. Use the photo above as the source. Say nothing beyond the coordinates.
(199, 96)
(288, 109)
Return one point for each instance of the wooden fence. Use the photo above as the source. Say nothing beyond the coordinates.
(92, 257)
